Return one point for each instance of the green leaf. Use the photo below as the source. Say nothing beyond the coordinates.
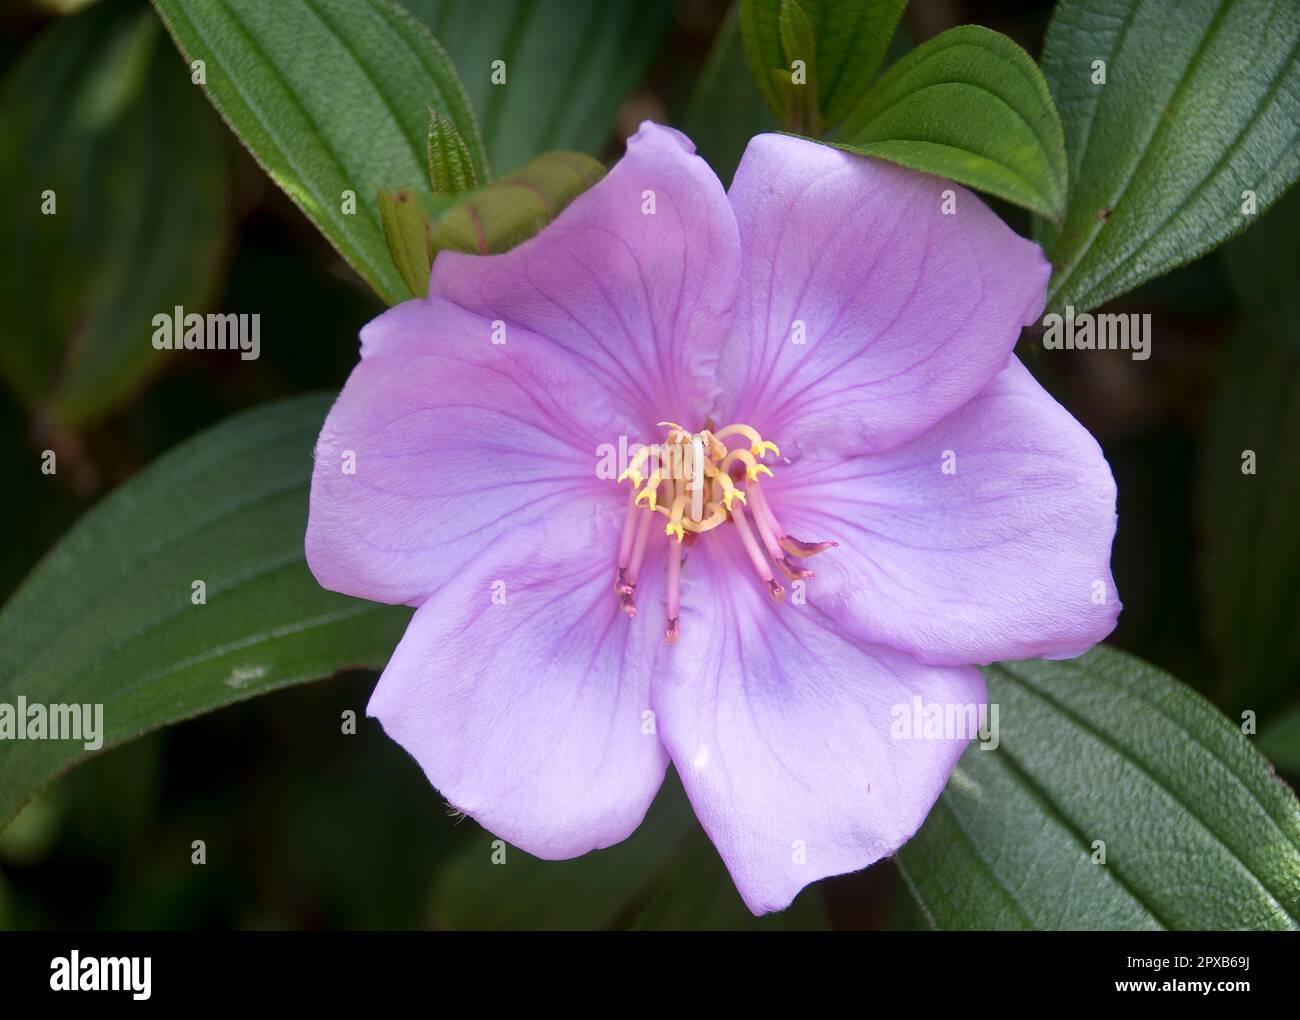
(496, 218)
(1263, 266)
(1280, 740)
(488, 221)
(665, 875)
(972, 106)
(331, 97)
(697, 894)
(798, 43)
(726, 110)
(409, 239)
(474, 889)
(34, 829)
(109, 618)
(569, 65)
(1198, 832)
(851, 38)
(1249, 492)
(1199, 106)
(451, 169)
(98, 117)
(1248, 486)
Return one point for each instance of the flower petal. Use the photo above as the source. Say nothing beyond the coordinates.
(411, 325)
(906, 313)
(987, 538)
(640, 297)
(522, 691)
(781, 728)
(442, 441)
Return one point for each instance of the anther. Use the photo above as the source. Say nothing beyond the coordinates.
(804, 549)
(729, 490)
(621, 583)
(752, 467)
(633, 468)
(792, 571)
(651, 489)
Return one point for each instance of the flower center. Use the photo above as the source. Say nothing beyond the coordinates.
(700, 481)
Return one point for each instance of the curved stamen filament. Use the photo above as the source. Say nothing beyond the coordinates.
(633, 469)
(729, 490)
(774, 538)
(756, 556)
(752, 467)
(715, 514)
(629, 531)
(651, 490)
(676, 434)
(674, 526)
(765, 523)
(638, 548)
(758, 446)
(621, 583)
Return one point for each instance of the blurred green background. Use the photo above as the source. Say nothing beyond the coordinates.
(309, 827)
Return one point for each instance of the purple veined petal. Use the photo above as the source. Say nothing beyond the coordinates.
(523, 691)
(635, 279)
(790, 737)
(986, 538)
(441, 442)
(865, 314)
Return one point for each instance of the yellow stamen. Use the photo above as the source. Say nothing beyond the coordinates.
(758, 446)
(752, 467)
(729, 490)
(715, 514)
(717, 517)
(690, 482)
(676, 434)
(633, 469)
(651, 488)
(675, 518)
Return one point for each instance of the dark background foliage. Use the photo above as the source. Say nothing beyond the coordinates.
(307, 827)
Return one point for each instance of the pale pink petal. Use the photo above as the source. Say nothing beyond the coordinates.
(523, 691)
(986, 538)
(441, 442)
(785, 732)
(865, 314)
(410, 326)
(639, 297)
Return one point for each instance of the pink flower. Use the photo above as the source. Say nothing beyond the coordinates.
(565, 648)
